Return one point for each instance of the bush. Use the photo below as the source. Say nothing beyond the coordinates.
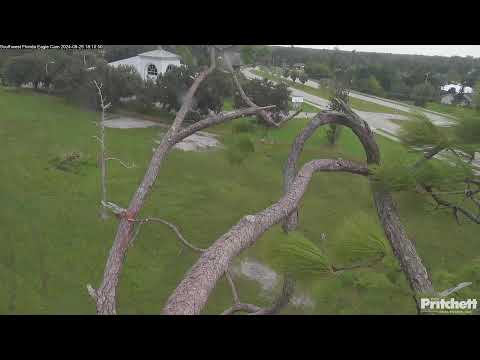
(243, 126)
(72, 162)
(24, 69)
(238, 148)
(303, 78)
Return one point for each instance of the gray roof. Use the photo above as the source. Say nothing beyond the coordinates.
(160, 54)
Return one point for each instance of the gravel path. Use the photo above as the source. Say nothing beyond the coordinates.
(199, 141)
(129, 123)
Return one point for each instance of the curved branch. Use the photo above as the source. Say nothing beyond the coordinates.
(360, 128)
(402, 246)
(228, 276)
(175, 230)
(193, 291)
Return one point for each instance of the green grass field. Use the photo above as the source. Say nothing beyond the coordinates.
(457, 111)
(325, 93)
(52, 242)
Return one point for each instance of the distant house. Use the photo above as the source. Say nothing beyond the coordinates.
(456, 94)
(299, 66)
(150, 64)
(456, 88)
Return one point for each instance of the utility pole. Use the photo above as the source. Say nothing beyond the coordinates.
(426, 77)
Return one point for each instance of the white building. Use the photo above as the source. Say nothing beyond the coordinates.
(150, 64)
(457, 87)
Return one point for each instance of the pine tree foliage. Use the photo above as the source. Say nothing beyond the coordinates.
(298, 256)
(360, 239)
(421, 132)
(401, 174)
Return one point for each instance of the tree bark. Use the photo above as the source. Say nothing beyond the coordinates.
(323, 118)
(103, 162)
(105, 295)
(193, 291)
(402, 247)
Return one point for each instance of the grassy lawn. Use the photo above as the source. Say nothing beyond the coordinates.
(457, 111)
(325, 93)
(52, 243)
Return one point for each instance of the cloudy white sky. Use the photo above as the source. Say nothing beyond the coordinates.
(441, 50)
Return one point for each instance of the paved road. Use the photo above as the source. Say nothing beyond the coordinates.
(377, 121)
(436, 118)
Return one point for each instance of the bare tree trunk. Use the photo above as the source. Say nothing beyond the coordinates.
(105, 295)
(103, 165)
(193, 291)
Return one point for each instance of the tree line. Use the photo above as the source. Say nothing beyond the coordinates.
(416, 78)
(71, 74)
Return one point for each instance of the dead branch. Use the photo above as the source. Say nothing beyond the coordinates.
(121, 162)
(282, 300)
(192, 293)
(263, 114)
(455, 208)
(228, 276)
(236, 300)
(175, 230)
(101, 139)
(215, 120)
(288, 118)
(450, 291)
(105, 295)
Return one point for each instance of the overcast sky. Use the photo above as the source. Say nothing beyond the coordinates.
(441, 50)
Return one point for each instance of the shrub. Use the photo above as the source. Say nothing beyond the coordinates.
(238, 148)
(72, 162)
